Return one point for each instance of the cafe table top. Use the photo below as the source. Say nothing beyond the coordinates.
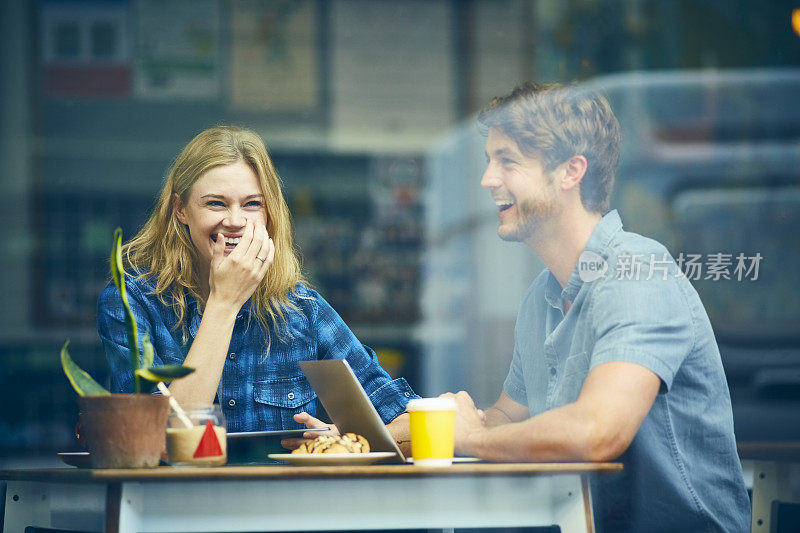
(167, 473)
(783, 451)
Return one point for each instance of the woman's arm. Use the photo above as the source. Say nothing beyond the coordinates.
(232, 280)
(336, 341)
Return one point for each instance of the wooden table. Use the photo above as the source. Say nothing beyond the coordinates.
(287, 498)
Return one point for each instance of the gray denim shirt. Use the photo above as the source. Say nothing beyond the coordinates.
(682, 471)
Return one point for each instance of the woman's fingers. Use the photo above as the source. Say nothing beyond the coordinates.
(314, 423)
(236, 276)
(266, 255)
(291, 444)
(309, 421)
(244, 243)
(218, 250)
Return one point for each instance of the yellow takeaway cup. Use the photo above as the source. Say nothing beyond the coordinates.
(433, 423)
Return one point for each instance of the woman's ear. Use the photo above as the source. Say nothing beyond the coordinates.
(178, 208)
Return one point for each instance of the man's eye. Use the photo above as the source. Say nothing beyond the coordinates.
(507, 161)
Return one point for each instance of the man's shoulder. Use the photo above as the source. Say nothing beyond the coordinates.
(628, 243)
(633, 257)
(643, 277)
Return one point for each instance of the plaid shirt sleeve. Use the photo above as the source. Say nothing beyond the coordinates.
(114, 334)
(336, 341)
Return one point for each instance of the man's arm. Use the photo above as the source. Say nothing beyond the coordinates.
(505, 411)
(598, 426)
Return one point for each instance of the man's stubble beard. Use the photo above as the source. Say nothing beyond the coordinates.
(531, 214)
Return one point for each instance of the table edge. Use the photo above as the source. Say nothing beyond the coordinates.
(266, 472)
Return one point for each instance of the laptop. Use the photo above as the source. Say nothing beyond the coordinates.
(347, 404)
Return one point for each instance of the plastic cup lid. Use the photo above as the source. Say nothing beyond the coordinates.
(431, 404)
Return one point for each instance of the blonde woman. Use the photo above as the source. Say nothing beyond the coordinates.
(215, 281)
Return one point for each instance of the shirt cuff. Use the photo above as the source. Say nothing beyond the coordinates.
(390, 399)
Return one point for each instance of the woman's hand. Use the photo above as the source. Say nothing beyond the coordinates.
(310, 422)
(235, 277)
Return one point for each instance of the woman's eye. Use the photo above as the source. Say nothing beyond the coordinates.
(254, 203)
(214, 203)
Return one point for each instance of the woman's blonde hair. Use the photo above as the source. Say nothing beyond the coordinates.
(164, 249)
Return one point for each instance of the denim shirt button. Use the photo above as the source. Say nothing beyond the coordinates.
(290, 396)
(231, 402)
(553, 371)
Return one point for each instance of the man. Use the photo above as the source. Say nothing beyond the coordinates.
(614, 355)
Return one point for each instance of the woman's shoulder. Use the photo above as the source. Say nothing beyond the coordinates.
(303, 293)
(137, 283)
(307, 300)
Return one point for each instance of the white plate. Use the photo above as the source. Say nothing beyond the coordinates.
(410, 460)
(327, 459)
(79, 459)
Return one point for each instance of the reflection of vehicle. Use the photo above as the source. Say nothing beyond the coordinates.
(711, 168)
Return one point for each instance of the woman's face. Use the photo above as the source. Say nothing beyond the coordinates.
(222, 200)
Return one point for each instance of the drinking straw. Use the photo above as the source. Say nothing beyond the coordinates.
(175, 407)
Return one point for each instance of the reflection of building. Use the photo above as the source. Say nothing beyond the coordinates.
(709, 166)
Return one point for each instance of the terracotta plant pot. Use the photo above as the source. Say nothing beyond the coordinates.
(124, 430)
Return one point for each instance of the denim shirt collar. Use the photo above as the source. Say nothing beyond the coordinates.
(598, 243)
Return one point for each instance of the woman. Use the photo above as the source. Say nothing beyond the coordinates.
(214, 279)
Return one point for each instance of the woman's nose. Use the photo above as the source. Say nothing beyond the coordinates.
(236, 217)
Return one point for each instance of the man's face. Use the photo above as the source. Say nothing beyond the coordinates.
(524, 193)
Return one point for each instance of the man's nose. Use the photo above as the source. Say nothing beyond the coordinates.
(489, 180)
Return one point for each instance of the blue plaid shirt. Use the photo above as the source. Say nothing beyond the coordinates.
(259, 390)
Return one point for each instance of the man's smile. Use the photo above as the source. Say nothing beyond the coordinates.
(502, 205)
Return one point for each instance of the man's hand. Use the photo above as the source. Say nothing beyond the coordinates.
(310, 422)
(470, 421)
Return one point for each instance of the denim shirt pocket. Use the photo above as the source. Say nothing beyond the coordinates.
(282, 398)
(576, 368)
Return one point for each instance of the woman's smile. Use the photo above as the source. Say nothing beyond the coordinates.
(223, 201)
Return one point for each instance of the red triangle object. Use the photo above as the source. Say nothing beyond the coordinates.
(209, 445)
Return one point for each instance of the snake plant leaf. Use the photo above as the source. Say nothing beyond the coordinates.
(82, 382)
(164, 373)
(118, 275)
(147, 351)
(115, 260)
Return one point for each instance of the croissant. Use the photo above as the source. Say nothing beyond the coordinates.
(347, 443)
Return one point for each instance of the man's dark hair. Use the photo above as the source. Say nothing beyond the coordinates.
(554, 122)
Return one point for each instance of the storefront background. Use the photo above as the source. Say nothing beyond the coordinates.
(368, 110)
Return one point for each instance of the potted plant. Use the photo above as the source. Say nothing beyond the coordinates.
(123, 430)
